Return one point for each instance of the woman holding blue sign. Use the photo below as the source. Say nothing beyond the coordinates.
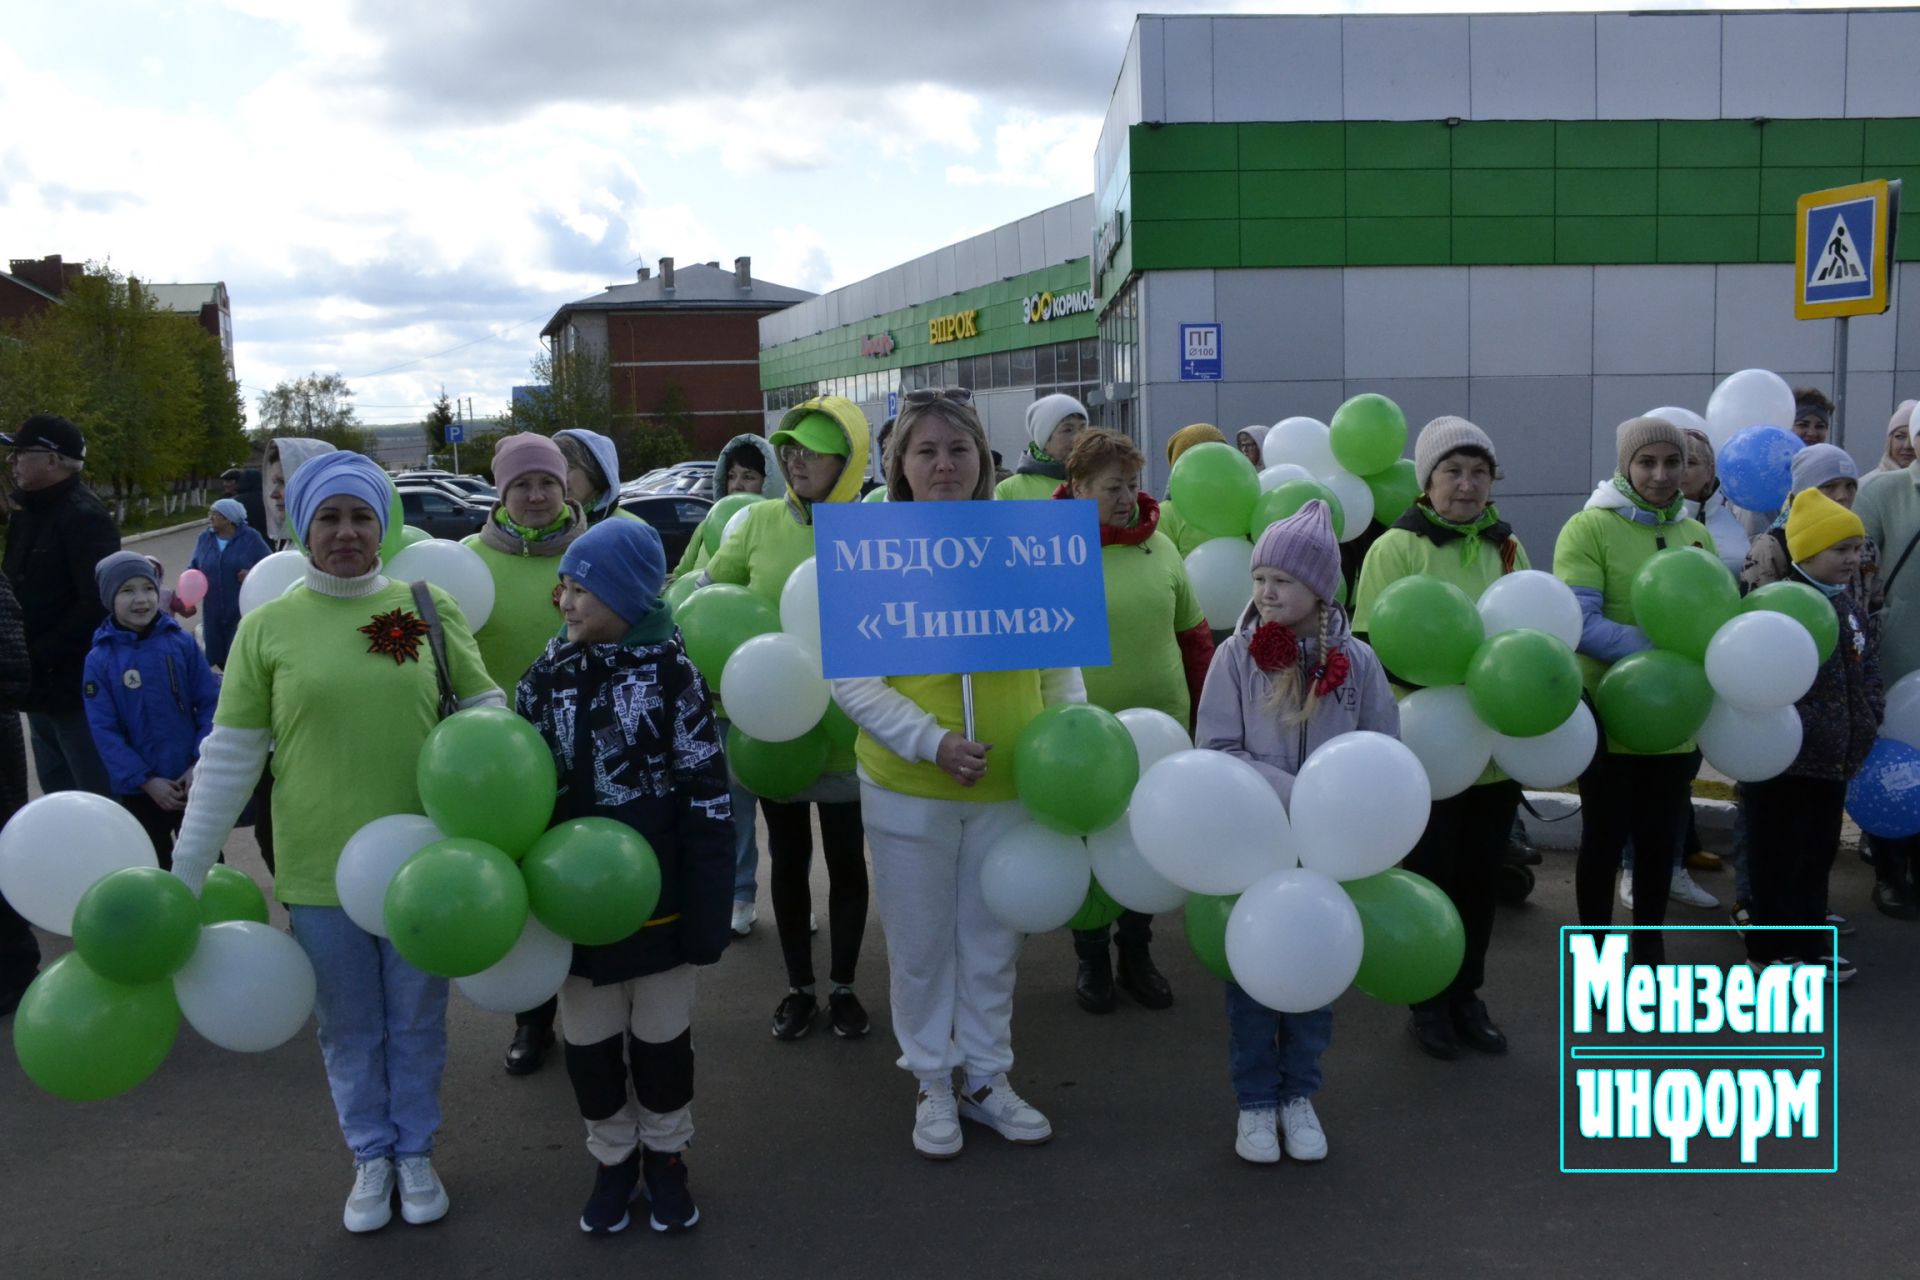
(822, 450)
(935, 801)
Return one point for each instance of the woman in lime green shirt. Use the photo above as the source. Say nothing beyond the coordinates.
(935, 802)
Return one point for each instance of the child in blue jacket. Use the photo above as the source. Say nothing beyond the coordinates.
(149, 696)
(225, 552)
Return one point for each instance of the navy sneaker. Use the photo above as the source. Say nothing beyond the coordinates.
(666, 1191)
(614, 1188)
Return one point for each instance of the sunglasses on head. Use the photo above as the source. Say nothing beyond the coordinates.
(928, 395)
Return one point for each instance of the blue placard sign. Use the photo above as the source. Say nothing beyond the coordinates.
(1200, 358)
(938, 588)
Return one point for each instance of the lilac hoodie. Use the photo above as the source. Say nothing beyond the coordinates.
(1234, 716)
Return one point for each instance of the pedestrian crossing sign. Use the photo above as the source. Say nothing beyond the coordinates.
(1843, 250)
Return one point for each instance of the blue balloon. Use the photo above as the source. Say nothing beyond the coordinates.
(1756, 467)
(1884, 797)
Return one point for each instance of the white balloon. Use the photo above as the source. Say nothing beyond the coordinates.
(1034, 880)
(1685, 419)
(1762, 660)
(456, 569)
(1281, 472)
(1208, 822)
(1750, 746)
(526, 976)
(800, 605)
(1156, 735)
(1533, 599)
(1452, 743)
(1360, 803)
(367, 863)
(1749, 398)
(248, 988)
(1304, 442)
(734, 522)
(55, 848)
(1127, 876)
(773, 688)
(1294, 941)
(1221, 570)
(270, 578)
(1902, 721)
(1356, 502)
(1554, 758)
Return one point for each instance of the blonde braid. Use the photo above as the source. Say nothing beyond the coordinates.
(1294, 696)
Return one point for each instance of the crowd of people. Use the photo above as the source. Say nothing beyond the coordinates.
(305, 718)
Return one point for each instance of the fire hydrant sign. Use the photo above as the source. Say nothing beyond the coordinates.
(937, 588)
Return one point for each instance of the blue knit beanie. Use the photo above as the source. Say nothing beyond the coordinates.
(332, 475)
(621, 562)
(114, 571)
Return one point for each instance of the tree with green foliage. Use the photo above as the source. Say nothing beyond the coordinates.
(435, 425)
(318, 406)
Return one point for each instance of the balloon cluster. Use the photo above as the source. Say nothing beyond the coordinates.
(1884, 796)
(480, 890)
(1353, 465)
(102, 1018)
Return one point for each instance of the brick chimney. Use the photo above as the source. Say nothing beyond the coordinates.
(644, 274)
(666, 274)
(49, 274)
(743, 273)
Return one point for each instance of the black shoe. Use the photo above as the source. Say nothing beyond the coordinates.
(614, 1188)
(1140, 979)
(794, 1018)
(848, 1016)
(1894, 901)
(1432, 1031)
(528, 1050)
(1472, 1026)
(673, 1207)
(1094, 986)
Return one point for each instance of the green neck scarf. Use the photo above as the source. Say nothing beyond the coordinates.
(525, 534)
(1469, 533)
(1667, 514)
(1040, 455)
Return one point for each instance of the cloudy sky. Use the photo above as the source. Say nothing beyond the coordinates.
(403, 191)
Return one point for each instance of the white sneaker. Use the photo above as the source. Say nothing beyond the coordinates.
(1683, 889)
(744, 914)
(422, 1197)
(1306, 1140)
(936, 1125)
(1257, 1141)
(1626, 889)
(1840, 970)
(370, 1203)
(997, 1106)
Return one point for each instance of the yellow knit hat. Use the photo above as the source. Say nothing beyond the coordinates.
(1816, 523)
(1188, 436)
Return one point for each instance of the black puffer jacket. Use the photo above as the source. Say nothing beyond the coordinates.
(16, 681)
(632, 732)
(1840, 715)
(53, 542)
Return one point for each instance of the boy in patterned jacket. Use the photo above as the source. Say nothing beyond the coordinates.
(631, 728)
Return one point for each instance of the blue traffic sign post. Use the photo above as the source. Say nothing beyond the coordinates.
(1843, 264)
(1200, 356)
(937, 588)
(456, 434)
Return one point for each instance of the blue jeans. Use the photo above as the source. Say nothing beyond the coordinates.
(383, 1035)
(64, 757)
(1273, 1057)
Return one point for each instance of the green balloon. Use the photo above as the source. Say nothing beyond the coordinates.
(777, 770)
(876, 495)
(715, 525)
(231, 894)
(1412, 938)
(717, 619)
(1394, 490)
(82, 1037)
(1074, 767)
(1681, 596)
(1215, 487)
(1799, 601)
(683, 586)
(839, 728)
(1426, 631)
(1653, 701)
(1284, 499)
(1367, 433)
(395, 537)
(456, 907)
(137, 925)
(593, 881)
(410, 535)
(1098, 911)
(1523, 682)
(1206, 924)
(486, 774)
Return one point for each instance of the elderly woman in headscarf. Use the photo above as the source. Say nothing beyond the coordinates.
(341, 677)
(1053, 423)
(224, 553)
(593, 474)
(1831, 470)
(1185, 537)
(285, 456)
(1899, 453)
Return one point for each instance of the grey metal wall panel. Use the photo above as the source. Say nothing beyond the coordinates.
(1531, 320)
(1264, 70)
(1754, 326)
(1189, 69)
(1882, 79)
(1169, 299)
(1406, 322)
(1783, 65)
(1532, 66)
(1536, 425)
(1282, 324)
(1405, 68)
(1658, 66)
(1652, 319)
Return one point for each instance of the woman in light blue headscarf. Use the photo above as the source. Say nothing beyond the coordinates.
(228, 548)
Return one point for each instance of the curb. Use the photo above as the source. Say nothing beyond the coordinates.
(1557, 825)
(161, 533)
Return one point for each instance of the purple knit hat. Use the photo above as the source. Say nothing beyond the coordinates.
(1303, 546)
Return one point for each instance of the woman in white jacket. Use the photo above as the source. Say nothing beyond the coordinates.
(1707, 502)
(934, 802)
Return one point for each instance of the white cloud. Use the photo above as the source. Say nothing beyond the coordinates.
(1044, 153)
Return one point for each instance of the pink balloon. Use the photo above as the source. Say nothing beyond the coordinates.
(191, 589)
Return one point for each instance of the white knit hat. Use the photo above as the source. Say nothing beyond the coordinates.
(1046, 413)
(1445, 435)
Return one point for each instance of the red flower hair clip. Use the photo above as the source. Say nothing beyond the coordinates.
(397, 635)
(1273, 647)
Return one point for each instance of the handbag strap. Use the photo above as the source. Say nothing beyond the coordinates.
(1886, 588)
(437, 643)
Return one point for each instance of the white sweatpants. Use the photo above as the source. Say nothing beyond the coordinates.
(656, 1010)
(951, 963)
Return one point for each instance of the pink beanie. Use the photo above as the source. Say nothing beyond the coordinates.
(527, 454)
(1303, 547)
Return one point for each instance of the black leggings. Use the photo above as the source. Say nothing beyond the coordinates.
(790, 851)
(1646, 799)
(1461, 851)
(1793, 835)
(161, 825)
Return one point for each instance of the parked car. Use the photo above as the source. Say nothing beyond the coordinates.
(681, 477)
(439, 513)
(673, 516)
(474, 488)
